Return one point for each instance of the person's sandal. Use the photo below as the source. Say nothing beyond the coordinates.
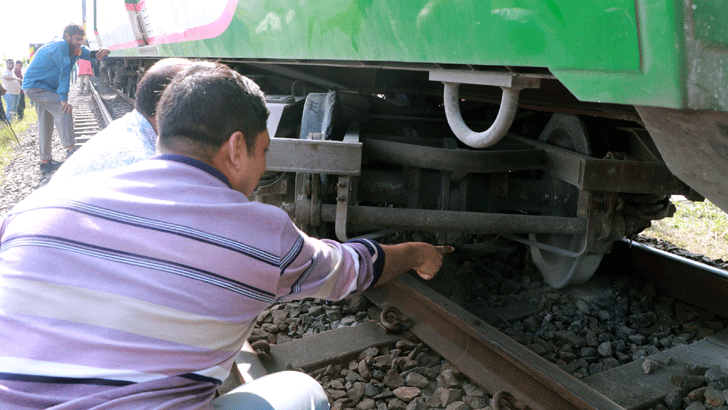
(49, 166)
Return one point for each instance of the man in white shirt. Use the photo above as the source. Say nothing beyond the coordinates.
(12, 84)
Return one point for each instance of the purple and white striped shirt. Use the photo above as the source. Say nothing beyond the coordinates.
(136, 287)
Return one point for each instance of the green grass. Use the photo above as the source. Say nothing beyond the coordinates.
(7, 140)
(700, 227)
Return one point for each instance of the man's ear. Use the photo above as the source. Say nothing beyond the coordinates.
(237, 150)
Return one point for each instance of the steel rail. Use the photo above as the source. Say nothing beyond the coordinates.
(126, 98)
(694, 282)
(105, 114)
(488, 357)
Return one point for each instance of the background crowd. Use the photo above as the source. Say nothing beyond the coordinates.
(13, 96)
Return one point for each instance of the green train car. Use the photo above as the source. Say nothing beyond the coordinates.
(561, 125)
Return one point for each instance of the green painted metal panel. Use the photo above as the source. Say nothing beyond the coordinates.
(662, 75)
(614, 51)
(684, 62)
(711, 21)
(541, 33)
(707, 51)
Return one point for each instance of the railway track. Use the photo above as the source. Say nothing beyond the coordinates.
(85, 122)
(514, 374)
(89, 115)
(498, 363)
(491, 359)
(97, 109)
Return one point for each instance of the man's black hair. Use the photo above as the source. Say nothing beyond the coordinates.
(205, 104)
(150, 87)
(73, 29)
(9, 60)
(18, 61)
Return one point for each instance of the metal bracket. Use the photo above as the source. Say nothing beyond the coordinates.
(342, 207)
(497, 79)
(307, 211)
(315, 156)
(343, 190)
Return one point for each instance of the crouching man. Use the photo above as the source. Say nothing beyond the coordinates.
(136, 287)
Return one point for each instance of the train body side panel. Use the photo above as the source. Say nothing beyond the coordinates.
(519, 33)
(666, 53)
(112, 25)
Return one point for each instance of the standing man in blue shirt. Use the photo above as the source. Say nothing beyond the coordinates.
(46, 83)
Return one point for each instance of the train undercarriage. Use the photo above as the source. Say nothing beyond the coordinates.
(361, 150)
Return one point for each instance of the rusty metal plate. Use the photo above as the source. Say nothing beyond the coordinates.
(312, 156)
(454, 160)
(608, 175)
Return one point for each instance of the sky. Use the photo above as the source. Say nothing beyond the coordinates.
(34, 21)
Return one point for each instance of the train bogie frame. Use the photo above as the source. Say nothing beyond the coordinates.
(512, 143)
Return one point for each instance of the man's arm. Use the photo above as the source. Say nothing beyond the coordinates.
(331, 270)
(88, 54)
(421, 257)
(102, 53)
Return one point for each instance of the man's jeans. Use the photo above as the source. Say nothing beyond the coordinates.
(48, 107)
(287, 390)
(11, 100)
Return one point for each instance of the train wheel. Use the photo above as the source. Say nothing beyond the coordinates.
(559, 270)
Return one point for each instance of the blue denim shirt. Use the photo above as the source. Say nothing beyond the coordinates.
(51, 68)
(125, 141)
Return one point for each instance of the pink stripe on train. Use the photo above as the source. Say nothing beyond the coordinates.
(211, 30)
(206, 31)
(135, 7)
